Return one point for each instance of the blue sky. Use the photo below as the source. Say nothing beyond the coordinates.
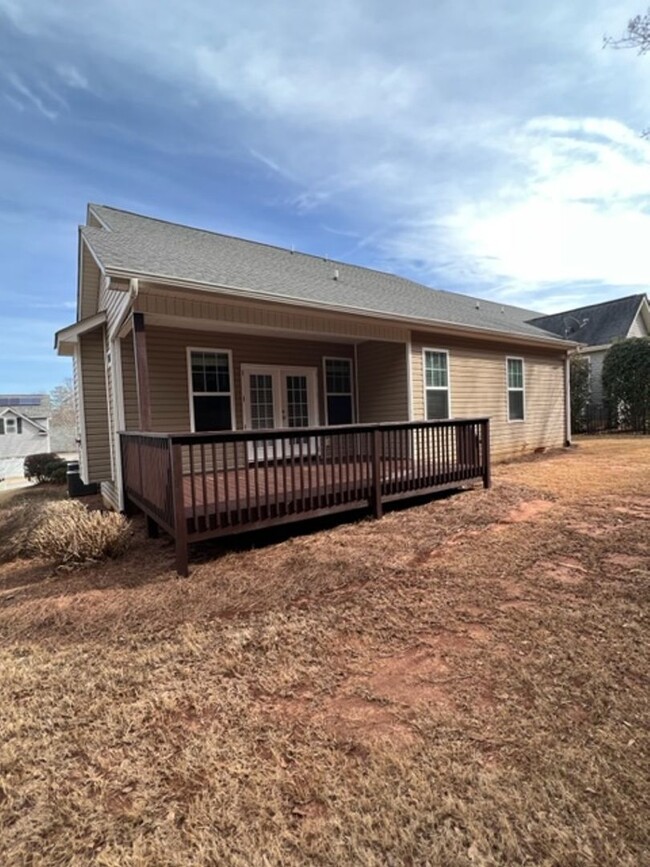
(486, 148)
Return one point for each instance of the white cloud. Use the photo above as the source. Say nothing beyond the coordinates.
(71, 76)
(494, 152)
(31, 96)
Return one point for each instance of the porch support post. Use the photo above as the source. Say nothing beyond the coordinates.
(375, 493)
(487, 465)
(567, 399)
(180, 519)
(142, 371)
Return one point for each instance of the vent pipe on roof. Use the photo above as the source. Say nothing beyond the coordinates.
(478, 305)
(336, 273)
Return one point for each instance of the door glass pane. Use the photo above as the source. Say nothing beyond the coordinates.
(261, 397)
(297, 401)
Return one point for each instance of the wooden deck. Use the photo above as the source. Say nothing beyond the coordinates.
(200, 486)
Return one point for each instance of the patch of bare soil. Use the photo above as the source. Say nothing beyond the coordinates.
(463, 682)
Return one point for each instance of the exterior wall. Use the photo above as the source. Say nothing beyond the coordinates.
(90, 279)
(383, 382)
(638, 327)
(14, 447)
(129, 388)
(168, 375)
(95, 439)
(257, 314)
(477, 373)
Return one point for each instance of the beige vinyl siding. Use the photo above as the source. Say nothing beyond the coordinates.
(90, 279)
(265, 315)
(95, 437)
(477, 375)
(167, 355)
(129, 387)
(383, 382)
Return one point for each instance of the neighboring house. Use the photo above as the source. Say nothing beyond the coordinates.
(597, 327)
(180, 330)
(24, 430)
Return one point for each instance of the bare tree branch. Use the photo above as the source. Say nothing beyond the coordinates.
(636, 35)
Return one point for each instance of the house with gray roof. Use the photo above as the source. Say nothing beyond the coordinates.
(596, 327)
(207, 339)
(24, 430)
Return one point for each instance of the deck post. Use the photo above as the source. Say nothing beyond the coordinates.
(487, 466)
(142, 371)
(375, 490)
(180, 521)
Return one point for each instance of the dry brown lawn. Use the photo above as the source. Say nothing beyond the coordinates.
(462, 683)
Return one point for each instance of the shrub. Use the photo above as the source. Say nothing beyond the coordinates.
(626, 380)
(579, 390)
(65, 532)
(45, 467)
(70, 533)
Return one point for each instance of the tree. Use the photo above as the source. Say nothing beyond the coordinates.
(580, 389)
(636, 35)
(62, 405)
(63, 421)
(626, 381)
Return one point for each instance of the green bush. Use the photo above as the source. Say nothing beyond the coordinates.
(626, 380)
(45, 467)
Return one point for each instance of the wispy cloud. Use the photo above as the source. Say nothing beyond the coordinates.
(31, 96)
(71, 76)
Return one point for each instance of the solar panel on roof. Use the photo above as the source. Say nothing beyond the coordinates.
(21, 399)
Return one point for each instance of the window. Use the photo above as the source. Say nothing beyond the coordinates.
(338, 390)
(436, 383)
(210, 386)
(13, 425)
(516, 400)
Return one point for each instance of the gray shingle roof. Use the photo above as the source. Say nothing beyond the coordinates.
(597, 324)
(141, 245)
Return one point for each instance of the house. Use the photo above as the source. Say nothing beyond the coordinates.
(189, 346)
(24, 430)
(596, 327)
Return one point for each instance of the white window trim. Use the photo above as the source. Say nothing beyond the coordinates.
(426, 388)
(522, 389)
(190, 387)
(352, 393)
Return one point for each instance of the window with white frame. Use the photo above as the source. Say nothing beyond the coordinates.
(436, 383)
(11, 425)
(211, 389)
(516, 396)
(338, 391)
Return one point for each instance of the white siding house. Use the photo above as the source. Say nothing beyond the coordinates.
(24, 430)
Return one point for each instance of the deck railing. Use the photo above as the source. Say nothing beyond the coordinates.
(202, 485)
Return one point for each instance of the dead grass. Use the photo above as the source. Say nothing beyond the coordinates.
(63, 532)
(462, 683)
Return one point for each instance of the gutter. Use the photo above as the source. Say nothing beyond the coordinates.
(240, 292)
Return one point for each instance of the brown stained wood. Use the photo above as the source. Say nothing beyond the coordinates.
(142, 371)
(352, 467)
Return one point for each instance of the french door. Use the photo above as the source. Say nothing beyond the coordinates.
(280, 397)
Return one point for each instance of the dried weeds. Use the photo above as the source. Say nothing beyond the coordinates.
(428, 689)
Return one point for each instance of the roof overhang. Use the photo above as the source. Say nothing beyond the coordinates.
(66, 338)
(253, 295)
(26, 418)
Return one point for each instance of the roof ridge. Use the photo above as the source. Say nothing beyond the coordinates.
(590, 306)
(315, 256)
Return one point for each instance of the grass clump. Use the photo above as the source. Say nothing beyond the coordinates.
(64, 532)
